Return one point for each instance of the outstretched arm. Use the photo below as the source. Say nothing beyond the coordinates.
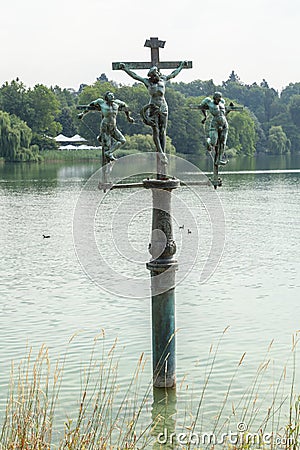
(177, 71)
(130, 119)
(93, 106)
(203, 107)
(205, 116)
(82, 114)
(232, 107)
(123, 107)
(132, 74)
(85, 110)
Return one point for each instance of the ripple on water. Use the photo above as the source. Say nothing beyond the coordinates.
(46, 297)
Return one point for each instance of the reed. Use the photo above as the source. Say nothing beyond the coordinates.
(70, 155)
(102, 420)
(31, 403)
(276, 426)
(109, 417)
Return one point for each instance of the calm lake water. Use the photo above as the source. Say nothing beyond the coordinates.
(46, 297)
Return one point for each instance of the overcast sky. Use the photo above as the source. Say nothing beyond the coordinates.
(69, 42)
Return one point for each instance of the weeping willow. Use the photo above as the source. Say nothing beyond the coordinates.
(15, 139)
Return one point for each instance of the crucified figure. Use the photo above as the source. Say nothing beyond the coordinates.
(110, 136)
(155, 114)
(218, 129)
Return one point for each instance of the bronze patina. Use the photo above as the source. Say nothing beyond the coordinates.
(155, 113)
(218, 130)
(110, 136)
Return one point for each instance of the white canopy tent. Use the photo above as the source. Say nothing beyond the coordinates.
(77, 138)
(67, 143)
(65, 139)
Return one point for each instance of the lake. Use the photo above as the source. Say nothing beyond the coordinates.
(47, 297)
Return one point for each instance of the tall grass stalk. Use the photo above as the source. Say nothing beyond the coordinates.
(102, 420)
(107, 419)
(31, 403)
(206, 381)
(110, 416)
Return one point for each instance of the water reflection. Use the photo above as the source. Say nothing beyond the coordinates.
(46, 297)
(164, 418)
(48, 174)
(246, 163)
(41, 176)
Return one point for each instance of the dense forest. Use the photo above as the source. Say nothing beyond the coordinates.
(269, 122)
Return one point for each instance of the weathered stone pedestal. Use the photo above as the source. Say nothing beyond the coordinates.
(162, 266)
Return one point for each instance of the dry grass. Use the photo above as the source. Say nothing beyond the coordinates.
(101, 421)
(107, 418)
(31, 403)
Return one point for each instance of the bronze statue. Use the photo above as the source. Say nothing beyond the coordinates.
(218, 129)
(110, 136)
(155, 114)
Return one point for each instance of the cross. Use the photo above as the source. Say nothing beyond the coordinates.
(162, 247)
(155, 44)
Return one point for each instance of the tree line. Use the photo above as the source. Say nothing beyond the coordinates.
(269, 122)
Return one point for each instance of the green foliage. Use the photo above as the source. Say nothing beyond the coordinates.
(287, 115)
(233, 78)
(144, 143)
(195, 88)
(289, 91)
(139, 143)
(136, 97)
(15, 139)
(23, 129)
(184, 125)
(67, 99)
(261, 140)
(43, 107)
(38, 107)
(71, 155)
(9, 138)
(258, 99)
(242, 135)
(103, 78)
(278, 143)
(68, 122)
(290, 129)
(264, 105)
(51, 111)
(44, 142)
(13, 98)
(231, 153)
(294, 109)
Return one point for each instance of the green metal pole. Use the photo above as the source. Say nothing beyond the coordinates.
(163, 329)
(162, 267)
